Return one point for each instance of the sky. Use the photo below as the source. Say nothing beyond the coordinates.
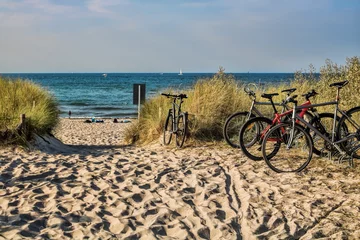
(166, 35)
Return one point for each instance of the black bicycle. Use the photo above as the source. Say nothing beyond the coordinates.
(235, 121)
(176, 121)
(295, 145)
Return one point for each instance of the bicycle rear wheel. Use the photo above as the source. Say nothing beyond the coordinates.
(350, 124)
(292, 155)
(251, 136)
(324, 124)
(232, 127)
(181, 130)
(168, 129)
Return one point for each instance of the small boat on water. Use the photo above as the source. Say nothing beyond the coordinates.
(180, 72)
(104, 75)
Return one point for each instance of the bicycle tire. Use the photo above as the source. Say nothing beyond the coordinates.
(181, 130)
(168, 129)
(278, 131)
(231, 128)
(252, 148)
(319, 123)
(347, 145)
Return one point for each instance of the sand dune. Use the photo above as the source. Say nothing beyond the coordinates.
(95, 187)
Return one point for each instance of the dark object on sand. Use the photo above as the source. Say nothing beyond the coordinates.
(87, 121)
(69, 114)
(99, 121)
(115, 120)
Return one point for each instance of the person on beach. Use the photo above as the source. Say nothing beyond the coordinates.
(69, 114)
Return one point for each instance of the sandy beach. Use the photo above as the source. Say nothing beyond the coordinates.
(93, 186)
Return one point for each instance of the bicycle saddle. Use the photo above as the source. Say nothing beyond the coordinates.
(339, 84)
(269, 95)
(289, 91)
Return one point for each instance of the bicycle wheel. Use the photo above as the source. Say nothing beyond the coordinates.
(292, 156)
(324, 124)
(350, 124)
(168, 129)
(181, 130)
(251, 136)
(232, 127)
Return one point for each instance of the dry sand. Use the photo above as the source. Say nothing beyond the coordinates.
(97, 188)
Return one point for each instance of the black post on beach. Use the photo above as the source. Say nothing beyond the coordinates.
(139, 91)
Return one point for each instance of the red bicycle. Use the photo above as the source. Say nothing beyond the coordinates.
(253, 131)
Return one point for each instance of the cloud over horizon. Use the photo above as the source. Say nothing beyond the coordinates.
(163, 36)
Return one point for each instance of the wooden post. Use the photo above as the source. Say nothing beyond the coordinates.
(22, 119)
(139, 104)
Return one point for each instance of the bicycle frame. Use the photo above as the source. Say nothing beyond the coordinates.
(253, 109)
(277, 119)
(331, 141)
(175, 107)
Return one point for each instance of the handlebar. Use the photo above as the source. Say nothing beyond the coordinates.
(181, 96)
(310, 94)
(249, 92)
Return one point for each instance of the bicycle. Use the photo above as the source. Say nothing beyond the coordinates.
(235, 121)
(344, 139)
(254, 130)
(176, 121)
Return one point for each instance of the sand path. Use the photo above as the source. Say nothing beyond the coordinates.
(97, 188)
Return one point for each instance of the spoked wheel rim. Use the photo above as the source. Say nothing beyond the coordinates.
(168, 129)
(232, 127)
(292, 155)
(181, 130)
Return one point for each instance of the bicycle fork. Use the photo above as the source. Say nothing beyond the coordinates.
(292, 131)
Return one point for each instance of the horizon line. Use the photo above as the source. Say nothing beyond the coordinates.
(147, 73)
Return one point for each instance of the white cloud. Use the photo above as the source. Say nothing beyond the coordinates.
(20, 20)
(102, 6)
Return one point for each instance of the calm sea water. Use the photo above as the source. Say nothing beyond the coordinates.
(92, 94)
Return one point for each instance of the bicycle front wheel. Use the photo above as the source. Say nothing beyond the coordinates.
(294, 153)
(168, 129)
(251, 136)
(181, 130)
(349, 124)
(232, 127)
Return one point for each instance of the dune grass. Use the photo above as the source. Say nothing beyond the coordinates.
(25, 97)
(211, 101)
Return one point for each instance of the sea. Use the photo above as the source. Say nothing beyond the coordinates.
(111, 95)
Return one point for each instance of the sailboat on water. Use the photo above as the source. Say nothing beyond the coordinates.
(180, 72)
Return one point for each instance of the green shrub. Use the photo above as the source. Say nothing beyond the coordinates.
(211, 101)
(24, 97)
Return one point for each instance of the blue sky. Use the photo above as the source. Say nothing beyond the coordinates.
(165, 35)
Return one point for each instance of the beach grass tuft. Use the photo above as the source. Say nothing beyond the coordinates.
(210, 101)
(25, 97)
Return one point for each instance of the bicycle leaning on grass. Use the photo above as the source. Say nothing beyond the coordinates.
(252, 133)
(295, 145)
(235, 121)
(176, 121)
